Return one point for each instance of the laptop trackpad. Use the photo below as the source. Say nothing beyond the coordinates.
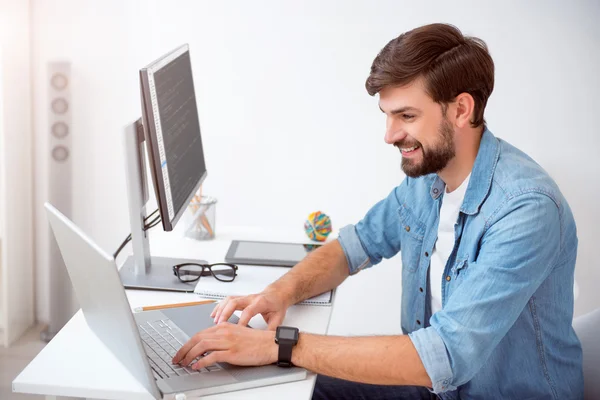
(193, 319)
(194, 382)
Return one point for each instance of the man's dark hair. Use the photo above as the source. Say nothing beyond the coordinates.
(449, 63)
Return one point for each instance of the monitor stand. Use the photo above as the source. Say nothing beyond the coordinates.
(142, 271)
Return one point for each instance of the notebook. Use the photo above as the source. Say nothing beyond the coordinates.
(250, 280)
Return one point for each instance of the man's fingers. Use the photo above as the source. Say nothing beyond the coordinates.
(214, 311)
(239, 303)
(210, 359)
(247, 314)
(217, 311)
(184, 350)
(197, 350)
(181, 353)
(227, 311)
(200, 348)
(275, 321)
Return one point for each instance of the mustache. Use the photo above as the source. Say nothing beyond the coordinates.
(406, 144)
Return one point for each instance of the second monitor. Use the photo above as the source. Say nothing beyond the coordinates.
(170, 132)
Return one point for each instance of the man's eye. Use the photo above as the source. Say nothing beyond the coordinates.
(408, 116)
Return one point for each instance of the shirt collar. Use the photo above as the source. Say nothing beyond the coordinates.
(481, 175)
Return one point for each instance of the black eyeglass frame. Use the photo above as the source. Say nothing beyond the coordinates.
(210, 272)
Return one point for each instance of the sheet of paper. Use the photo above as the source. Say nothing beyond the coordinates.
(250, 279)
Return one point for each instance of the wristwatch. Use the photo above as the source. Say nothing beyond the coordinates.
(286, 337)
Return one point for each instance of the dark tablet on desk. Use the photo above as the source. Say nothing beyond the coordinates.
(267, 253)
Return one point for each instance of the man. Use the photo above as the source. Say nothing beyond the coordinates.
(488, 246)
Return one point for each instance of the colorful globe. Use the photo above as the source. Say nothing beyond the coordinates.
(318, 226)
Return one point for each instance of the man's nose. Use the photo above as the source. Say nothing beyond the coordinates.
(393, 133)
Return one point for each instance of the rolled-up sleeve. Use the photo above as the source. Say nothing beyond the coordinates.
(376, 236)
(517, 253)
(432, 350)
(355, 254)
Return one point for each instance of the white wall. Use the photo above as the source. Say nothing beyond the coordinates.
(288, 127)
(16, 171)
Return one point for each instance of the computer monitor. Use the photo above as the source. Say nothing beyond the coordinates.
(169, 132)
(172, 132)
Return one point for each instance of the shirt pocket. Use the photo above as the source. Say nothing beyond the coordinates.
(411, 238)
(460, 270)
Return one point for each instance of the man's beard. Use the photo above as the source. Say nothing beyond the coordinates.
(434, 159)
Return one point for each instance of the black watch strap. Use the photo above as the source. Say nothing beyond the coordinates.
(286, 337)
(284, 358)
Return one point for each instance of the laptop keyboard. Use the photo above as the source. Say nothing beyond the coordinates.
(161, 344)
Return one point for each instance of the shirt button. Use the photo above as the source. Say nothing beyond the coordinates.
(448, 278)
(407, 229)
(421, 289)
(418, 322)
(426, 254)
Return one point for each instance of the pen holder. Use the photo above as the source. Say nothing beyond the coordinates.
(201, 218)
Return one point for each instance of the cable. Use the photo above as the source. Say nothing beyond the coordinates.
(152, 223)
(150, 216)
(147, 226)
(127, 239)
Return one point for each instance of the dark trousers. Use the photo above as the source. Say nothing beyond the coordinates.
(328, 388)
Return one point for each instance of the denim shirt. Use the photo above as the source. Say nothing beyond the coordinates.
(504, 330)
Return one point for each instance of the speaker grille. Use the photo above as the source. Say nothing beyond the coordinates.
(59, 81)
(60, 106)
(61, 298)
(60, 153)
(60, 130)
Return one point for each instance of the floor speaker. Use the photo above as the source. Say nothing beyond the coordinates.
(62, 302)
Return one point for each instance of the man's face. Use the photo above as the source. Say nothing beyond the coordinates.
(417, 126)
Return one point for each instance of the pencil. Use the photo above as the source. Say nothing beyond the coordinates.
(163, 306)
(206, 225)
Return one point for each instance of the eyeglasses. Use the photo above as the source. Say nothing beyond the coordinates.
(191, 272)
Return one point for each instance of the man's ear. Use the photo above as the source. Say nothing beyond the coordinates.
(464, 108)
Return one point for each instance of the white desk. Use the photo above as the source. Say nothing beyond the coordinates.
(77, 364)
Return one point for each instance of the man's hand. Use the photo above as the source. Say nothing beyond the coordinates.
(234, 344)
(269, 304)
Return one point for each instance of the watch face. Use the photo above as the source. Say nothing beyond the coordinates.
(287, 333)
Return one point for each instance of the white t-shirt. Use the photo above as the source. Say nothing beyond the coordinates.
(444, 245)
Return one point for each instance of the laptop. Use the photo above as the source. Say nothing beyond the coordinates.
(145, 342)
